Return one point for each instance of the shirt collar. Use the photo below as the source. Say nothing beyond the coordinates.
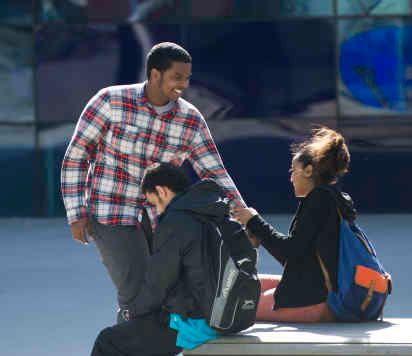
(141, 96)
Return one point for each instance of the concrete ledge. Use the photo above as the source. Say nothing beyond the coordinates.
(389, 337)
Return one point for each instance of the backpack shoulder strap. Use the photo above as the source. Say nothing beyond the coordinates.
(321, 263)
(325, 273)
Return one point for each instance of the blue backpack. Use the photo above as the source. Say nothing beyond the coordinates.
(363, 284)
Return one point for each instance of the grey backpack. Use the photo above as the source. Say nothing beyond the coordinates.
(233, 285)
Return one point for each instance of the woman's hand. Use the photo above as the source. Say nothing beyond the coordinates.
(243, 215)
(253, 239)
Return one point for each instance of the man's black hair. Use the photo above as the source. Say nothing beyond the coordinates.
(162, 55)
(164, 175)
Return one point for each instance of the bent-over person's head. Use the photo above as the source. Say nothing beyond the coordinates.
(162, 182)
(320, 160)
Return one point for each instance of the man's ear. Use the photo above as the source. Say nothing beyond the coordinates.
(158, 190)
(155, 74)
(308, 171)
(161, 191)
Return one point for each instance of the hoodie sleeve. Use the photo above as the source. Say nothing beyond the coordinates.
(306, 227)
(265, 232)
(163, 269)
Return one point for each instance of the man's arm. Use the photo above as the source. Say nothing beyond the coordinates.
(163, 269)
(207, 163)
(93, 122)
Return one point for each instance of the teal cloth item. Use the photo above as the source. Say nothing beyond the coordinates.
(191, 332)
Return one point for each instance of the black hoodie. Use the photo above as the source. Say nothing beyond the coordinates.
(176, 277)
(315, 227)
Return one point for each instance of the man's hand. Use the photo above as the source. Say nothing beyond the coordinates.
(243, 215)
(81, 230)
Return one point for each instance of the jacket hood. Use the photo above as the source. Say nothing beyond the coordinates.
(205, 197)
(346, 206)
(344, 203)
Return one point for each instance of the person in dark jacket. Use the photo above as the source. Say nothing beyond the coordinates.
(300, 294)
(176, 274)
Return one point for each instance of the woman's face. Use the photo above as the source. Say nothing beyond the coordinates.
(301, 178)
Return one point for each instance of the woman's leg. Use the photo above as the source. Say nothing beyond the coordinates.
(268, 281)
(309, 314)
(265, 306)
(268, 284)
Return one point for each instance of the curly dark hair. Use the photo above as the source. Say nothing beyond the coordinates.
(327, 152)
(164, 175)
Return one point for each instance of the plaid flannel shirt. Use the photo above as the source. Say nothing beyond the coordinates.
(117, 136)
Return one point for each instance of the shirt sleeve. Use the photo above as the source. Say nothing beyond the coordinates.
(207, 163)
(306, 227)
(92, 124)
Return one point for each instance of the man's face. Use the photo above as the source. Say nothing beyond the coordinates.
(173, 81)
(156, 201)
(160, 198)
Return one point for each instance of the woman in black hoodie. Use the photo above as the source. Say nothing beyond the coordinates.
(300, 294)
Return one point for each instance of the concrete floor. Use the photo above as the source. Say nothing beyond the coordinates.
(56, 296)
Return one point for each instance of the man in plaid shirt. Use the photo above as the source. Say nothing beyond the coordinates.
(121, 131)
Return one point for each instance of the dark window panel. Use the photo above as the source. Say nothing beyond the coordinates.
(18, 177)
(88, 58)
(108, 11)
(304, 8)
(381, 162)
(53, 141)
(247, 10)
(16, 74)
(220, 10)
(16, 12)
(157, 11)
(283, 73)
(377, 133)
(374, 7)
(175, 11)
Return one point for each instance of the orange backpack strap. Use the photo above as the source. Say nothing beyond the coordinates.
(325, 273)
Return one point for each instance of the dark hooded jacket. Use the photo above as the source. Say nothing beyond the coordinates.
(176, 276)
(315, 228)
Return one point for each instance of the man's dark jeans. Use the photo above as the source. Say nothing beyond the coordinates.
(147, 335)
(124, 250)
